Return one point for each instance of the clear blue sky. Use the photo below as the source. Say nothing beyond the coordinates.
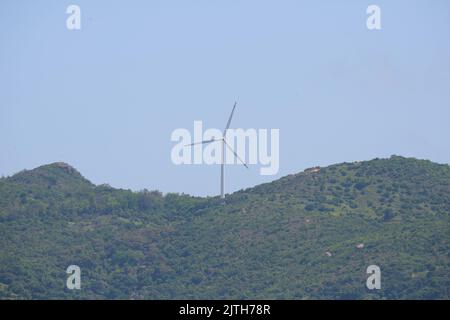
(106, 98)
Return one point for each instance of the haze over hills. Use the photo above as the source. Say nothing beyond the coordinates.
(305, 236)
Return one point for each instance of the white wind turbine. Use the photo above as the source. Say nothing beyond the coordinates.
(224, 143)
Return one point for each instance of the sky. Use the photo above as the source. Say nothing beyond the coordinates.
(106, 98)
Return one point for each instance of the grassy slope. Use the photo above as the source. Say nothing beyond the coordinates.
(266, 242)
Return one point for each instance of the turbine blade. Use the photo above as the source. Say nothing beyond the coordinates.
(229, 120)
(245, 165)
(201, 142)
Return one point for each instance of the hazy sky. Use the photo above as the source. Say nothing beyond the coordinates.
(106, 98)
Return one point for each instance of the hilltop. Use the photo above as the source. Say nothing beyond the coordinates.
(309, 235)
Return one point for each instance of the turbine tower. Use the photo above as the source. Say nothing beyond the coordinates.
(224, 143)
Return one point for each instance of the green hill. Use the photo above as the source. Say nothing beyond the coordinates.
(294, 238)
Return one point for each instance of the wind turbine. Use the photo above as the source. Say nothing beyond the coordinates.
(224, 143)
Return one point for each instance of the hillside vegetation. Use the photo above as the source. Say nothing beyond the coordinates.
(306, 236)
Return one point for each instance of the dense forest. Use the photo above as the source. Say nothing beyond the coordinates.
(309, 235)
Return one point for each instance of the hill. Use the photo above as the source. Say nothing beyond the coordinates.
(306, 236)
